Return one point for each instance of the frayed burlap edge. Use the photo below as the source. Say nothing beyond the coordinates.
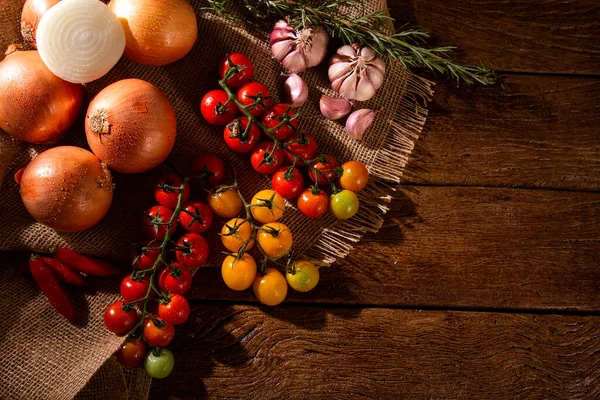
(337, 241)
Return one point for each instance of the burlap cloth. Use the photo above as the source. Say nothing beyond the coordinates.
(42, 356)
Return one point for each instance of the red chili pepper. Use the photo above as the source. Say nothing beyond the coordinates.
(46, 280)
(63, 272)
(83, 264)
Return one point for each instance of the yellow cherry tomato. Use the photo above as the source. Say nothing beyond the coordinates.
(275, 239)
(355, 176)
(267, 206)
(236, 233)
(271, 288)
(302, 276)
(239, 274)
(226, 204)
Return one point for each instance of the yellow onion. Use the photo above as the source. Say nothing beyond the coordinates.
(158, 32)
(33, 10)
(131, 126)
(36, 106)
(66, 188)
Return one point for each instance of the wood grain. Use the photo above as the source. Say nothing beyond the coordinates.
(467, 248)
(301, 352)
(548, 36)
(538, 132)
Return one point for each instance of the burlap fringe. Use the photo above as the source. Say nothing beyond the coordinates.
(336, 242)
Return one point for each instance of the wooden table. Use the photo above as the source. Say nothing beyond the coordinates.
(485, 280)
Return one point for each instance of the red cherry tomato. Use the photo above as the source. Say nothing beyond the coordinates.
(242, 64)
(313, 205)
(144, 259)
(234, 135)
(195, 216)
(304, 145)
(132, 353)
(215, 108)
(119, 321)
(153, 220)
(176, 311)
(265, 160)
(288, 188)
(192, 250)
(134, 290)
(178, 281)
(166, 196)
(159, 333)
(329, 166)
(253, 92)
(276, 115)
(212, 164)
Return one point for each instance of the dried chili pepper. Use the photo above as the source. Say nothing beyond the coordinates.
(46, 280)
(83, 264)
(63, 272)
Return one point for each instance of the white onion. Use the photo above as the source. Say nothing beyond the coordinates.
(80, 40)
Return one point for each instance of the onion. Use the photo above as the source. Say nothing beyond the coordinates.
(131, 126)
(35, 105)
(158, 32)
(33, 10)
(80, 40)
(66, 188)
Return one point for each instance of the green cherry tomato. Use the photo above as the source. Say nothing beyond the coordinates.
(344, 204)
(159, 366)
(303, 276)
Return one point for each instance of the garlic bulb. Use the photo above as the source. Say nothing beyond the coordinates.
(80, 40)
(356, 72)
(358, 122)
(298, 49)
(296, 90)
(334, 107)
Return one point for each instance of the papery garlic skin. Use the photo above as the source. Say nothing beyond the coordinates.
(298, 49)
(296, 90)
(358, 122)
(334, 107)
(80, 40)
(356, 72)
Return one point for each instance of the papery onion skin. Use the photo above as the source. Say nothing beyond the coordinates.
(131, 126)
(67, 188)
(36, 106)
(80, 40)
(33, 10)
(158, 32)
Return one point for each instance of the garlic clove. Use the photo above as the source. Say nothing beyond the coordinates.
(296, 90)
(348, 86)
(334, 107)
(379, 64)
(294, 62)
(282, 24)
(364, 89)
(368, 53)
(358, 122)
(375, 77)
(338, 70)
(279, 35)
(347, 51)
(281, 49)
(318, 48)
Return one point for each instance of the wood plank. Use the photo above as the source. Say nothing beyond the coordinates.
(299, 352)
(541, 132)
(465, 248)
(550, 36)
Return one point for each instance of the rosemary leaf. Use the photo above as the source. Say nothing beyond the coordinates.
(368, 29)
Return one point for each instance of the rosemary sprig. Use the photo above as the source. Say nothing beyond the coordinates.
(369, 29)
